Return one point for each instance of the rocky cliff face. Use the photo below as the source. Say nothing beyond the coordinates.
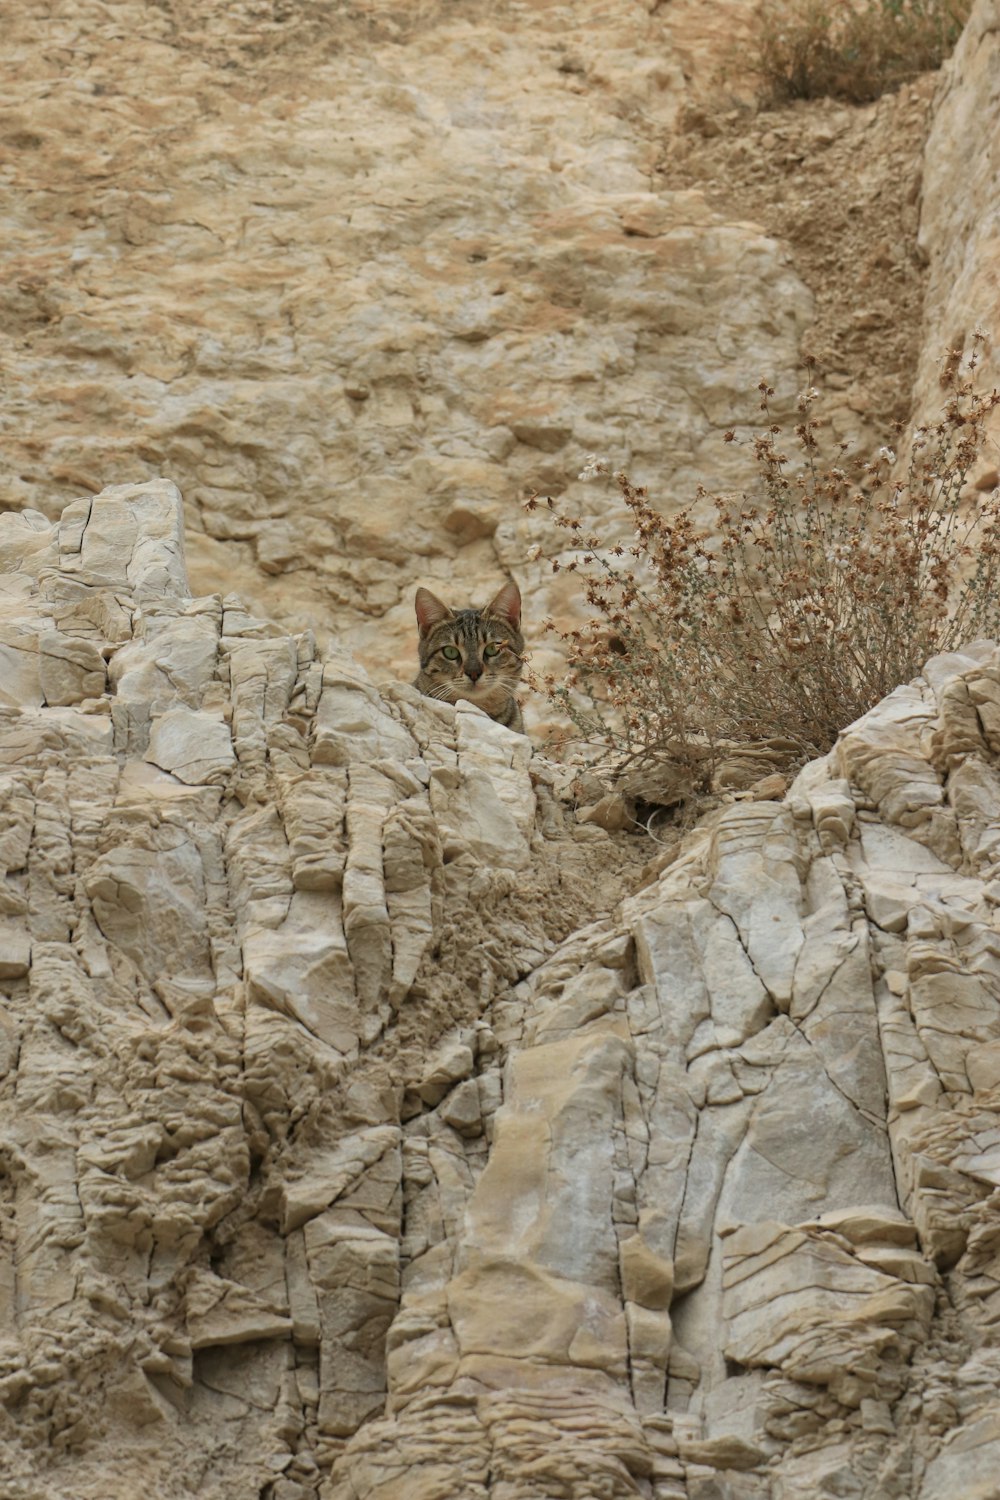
(358, 278)
(370, 1129)
(344, 1155)
(961, 190)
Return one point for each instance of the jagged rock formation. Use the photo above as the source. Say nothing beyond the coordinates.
(745, 1167)
(356, 1139)
(228, 865)
(344, 1155)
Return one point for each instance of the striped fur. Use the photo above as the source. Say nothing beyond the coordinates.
(490, 650)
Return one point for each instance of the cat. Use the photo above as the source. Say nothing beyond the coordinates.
(475, 654)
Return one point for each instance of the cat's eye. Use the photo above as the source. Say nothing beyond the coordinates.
(451, 652)
(491, 649)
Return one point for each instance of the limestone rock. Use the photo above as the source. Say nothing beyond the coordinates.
(655, 1202)
(827, 1309)
(356, 350)
(225, 870)
(956, 228)
(356, 1140)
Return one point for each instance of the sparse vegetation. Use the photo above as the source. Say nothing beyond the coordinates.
(811, 599)
(851, 49)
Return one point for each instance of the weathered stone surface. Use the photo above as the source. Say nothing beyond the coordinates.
(958, 232)
(315, 1139)
(804, 1304)
(357, 346)
(821, 1315)
(225, 870)
(354, 1141)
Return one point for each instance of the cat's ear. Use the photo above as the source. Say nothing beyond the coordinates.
(506, 605)
(430, 610)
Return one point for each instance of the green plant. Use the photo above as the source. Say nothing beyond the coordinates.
(809, 601)
(851, 49)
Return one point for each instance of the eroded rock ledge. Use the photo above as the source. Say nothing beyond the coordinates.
(332, 1165)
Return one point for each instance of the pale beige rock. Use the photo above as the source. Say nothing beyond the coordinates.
(956, 233)
(223, 1312)
(805, 1304)
(646, 1278)
(967, 1464)
(356, 352)
(450, 1065)
(15, 950)
(355, 1271)
(194, 747)
(810, 1133)
(303, 969)
(756, 885)
(325, 1171)
(118, 937)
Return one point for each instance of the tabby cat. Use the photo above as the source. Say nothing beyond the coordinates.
(474, 654)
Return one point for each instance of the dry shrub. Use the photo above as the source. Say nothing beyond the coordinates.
(851, 49)
(809, 601)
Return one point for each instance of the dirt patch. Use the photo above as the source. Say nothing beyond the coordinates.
(488, 947)
(840, 184)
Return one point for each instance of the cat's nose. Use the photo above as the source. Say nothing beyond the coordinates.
(473, 670)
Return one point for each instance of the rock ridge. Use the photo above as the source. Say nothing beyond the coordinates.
(348, 1151)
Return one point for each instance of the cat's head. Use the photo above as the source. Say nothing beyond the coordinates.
(474, 654)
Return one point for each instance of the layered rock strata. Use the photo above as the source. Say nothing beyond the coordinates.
(332, 1165)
